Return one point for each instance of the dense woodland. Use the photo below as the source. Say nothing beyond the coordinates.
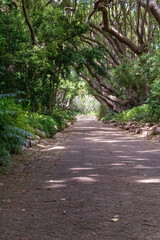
(48, 47)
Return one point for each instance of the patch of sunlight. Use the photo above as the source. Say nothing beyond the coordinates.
(141, 159)
(84, 179)
(148, 151)
(56, 147)
(79, 128)
(122, 156)
(56, 181)
(79, 169)
(133, 158)
(117, 164)
(40, 145)
(143, 167)
(151, 180)
(102, 140)
(56, 185)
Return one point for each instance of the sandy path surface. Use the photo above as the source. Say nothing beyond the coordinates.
(91, 182)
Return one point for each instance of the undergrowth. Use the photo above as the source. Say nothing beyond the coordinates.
(143, 113)
(17, 124)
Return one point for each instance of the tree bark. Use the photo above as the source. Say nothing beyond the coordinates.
(28, 23)
(155, 10)
(123, 39)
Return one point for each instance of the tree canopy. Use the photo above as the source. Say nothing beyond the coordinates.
(47, 47)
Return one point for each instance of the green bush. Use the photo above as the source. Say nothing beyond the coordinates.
(5, 158)
(105, 113)
(17, 124)
(48, 125)
(62, 117)
(154, 100)
(11, 136)
(140, 113)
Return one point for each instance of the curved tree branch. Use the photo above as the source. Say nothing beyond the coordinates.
(118, 35)
(155, 10)
(72, 9)
(28, 23)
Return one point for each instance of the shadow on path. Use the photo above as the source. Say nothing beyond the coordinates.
(97, 184)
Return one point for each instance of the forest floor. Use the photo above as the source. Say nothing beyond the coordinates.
(90, 182)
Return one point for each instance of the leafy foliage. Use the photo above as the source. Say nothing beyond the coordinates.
(135, 114)
(17, 124)
(105, 113)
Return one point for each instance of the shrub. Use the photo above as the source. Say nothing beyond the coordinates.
(48, 125)
(105, 113)
(16, 124)
(154, 100)
(140, 113)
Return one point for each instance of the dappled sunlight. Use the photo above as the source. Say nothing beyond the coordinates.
(47, 149)
(56, 181)
(85, 128)
(57, 147)
(128, 157)
(110, 140)
(144, 167)
(117, 164)
(148, 151)
(101, 140)
(80, 169)
(141, 159)
(84, 179)
(56, 185)
(107, 151)
(149, 180)
(60, 183)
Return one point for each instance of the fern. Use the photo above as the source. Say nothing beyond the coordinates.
(10, 95)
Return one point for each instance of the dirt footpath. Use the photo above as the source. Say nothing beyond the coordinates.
(91, 182)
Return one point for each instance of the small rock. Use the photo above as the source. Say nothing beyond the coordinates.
(138, 130)
(27, 143)
(157, 130)
(146, 133)
(148, 125)
(37, 137)
(34, 142)
(40, 133)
